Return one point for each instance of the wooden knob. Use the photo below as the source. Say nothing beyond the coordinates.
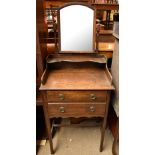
(92, 108)
(62, 109)
(61, 96)
(92, 96)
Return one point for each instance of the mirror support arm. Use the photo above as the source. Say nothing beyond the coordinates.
(97, 36)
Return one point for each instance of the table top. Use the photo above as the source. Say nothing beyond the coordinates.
(78, 79)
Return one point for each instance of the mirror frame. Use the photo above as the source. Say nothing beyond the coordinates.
(94, 28)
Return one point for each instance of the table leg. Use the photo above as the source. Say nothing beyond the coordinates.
(47, 122)
(48, 126)
(102, 134)
(116, 137)
(104, 122)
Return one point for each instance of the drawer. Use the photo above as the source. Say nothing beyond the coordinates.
(76, 96)
(76, 109)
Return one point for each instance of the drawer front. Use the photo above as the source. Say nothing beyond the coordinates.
(76, 109)
(76, 96)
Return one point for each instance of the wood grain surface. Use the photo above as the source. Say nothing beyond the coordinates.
(76, 96)
(76, 110)
(79, 79)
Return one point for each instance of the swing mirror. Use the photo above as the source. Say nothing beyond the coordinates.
(76, 29)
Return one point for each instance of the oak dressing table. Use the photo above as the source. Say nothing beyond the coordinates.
(76, 82)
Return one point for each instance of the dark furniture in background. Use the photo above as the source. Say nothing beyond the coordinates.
(41, 53)
(115, 74)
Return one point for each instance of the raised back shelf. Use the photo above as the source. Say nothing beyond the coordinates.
(76, 58)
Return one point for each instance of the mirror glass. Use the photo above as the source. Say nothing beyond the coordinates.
(76, 29)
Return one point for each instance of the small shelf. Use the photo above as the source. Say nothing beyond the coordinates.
(78, 58)
(106, 6)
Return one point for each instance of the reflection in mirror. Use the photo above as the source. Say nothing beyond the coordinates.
(76, 29)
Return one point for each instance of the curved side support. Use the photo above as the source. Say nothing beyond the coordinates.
(44, 76)
(108, 73)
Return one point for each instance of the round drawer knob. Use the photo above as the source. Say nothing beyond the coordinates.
(62, 109)
(92, 109)
(61, 97)
(92, 96)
